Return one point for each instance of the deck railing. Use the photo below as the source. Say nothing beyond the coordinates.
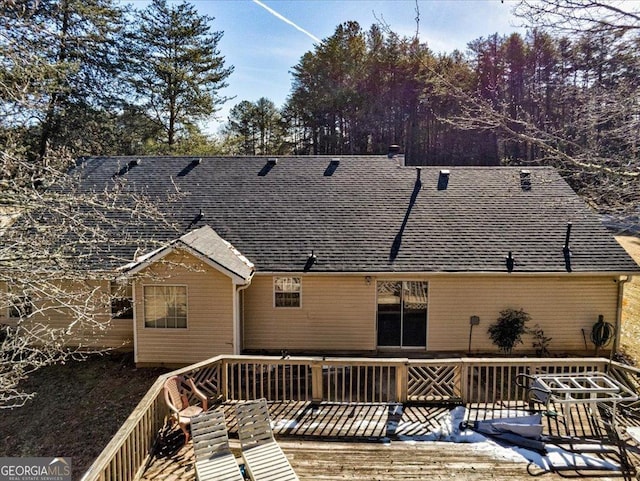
(344, 380)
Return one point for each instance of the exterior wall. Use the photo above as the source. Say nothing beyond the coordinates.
(209, 329)
(338, 313)
(107, 333)
(562, 306)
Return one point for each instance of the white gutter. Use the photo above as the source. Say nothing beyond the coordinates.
(618, 327)
(421, 274)
(135, 323)
(237, 348)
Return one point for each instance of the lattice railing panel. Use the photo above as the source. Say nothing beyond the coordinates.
(207, 379)
(433, 383)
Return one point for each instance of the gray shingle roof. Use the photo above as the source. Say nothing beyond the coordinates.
(205, 243)
(368, 214)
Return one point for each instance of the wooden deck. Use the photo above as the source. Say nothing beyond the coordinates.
(394, 442)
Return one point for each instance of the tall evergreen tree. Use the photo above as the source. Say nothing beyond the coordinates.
(256, 128)
(177, 69)
(60, 64)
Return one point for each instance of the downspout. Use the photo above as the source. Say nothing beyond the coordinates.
(135, 321)
(616, 339)
(237, 321)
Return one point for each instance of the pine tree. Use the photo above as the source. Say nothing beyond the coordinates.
(60, 66)
(177, 70)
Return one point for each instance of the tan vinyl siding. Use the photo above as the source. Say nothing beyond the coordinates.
(337, 314)
(209, 329)
(103, 333)
(562, 306)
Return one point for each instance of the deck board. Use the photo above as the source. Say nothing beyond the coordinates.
(380, 442)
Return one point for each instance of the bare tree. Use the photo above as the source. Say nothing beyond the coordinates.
(603, 158)
(58, 252)
(592, 135)
(581, 16)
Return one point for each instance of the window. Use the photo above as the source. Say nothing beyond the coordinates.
(165, 307)
(286, 291)
(121, 301)
(21, 307)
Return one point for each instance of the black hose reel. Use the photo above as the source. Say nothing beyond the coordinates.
(602, 333)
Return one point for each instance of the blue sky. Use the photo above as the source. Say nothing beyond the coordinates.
(263, 39)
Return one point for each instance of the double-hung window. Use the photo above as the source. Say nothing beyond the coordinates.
(121, 301)
(287, 292)
(165, 307)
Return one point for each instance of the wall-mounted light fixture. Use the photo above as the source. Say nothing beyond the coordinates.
(367, 280)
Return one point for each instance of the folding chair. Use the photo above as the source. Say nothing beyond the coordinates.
(263, 458)
(213, 458)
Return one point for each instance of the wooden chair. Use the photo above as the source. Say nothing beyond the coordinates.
(213, 458)
(263, 458)
(178, 402)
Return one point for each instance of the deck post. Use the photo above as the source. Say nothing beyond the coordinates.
(402, 373)
(316, 381)
(463, 379)
(224, 379)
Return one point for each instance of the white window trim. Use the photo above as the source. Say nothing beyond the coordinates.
(144, 306)
(274, 292)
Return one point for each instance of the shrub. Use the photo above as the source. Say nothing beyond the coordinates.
(540, 341)
(507, 332)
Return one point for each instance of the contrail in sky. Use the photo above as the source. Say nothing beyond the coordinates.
(286, 20)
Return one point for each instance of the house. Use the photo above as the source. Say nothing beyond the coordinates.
(355, 255)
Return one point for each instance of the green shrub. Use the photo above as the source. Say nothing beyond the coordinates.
(540, 341)
(507, 332)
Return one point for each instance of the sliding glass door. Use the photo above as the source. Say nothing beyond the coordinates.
(402, 313)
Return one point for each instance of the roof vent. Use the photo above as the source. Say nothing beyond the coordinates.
(311, 260)
(525, 179)
(271, 163)
(443, 179)
(193, 164)
(566, 250)
(199, 216)
(393, 151)
(510, 261)
(418, 174)
(126, 168)
(331, 168)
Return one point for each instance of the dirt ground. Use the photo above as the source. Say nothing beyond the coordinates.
(78, 408)
(630, 329)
